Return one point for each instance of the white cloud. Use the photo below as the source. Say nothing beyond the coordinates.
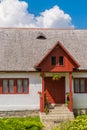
(14, 13)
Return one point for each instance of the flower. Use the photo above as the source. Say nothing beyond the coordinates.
(40, 93)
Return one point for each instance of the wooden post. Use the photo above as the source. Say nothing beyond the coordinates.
(42, 97)
(70, 92)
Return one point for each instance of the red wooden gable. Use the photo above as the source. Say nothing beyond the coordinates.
(69, 63)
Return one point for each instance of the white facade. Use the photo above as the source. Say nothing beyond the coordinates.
(31, 101)
(22, 101)
(79, 99)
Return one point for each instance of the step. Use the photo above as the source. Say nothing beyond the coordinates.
(59, 111)
(57, 114)
(57, 119)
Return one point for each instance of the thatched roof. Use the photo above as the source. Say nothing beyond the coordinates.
(21, 49)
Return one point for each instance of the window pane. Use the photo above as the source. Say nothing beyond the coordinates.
(76, 85)
(5, 86)
(25, 85)
(19, 86)
(11, 86)
(61, 60)
(82, 85)
(53, 60)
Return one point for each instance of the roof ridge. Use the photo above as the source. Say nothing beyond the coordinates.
(41, 28)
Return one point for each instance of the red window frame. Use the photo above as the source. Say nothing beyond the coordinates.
(79, 79)
(15, 86)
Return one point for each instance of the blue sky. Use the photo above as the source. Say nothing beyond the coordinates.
(43, 13)
(77, 9)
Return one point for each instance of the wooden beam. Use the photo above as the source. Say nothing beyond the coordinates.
(70, 92)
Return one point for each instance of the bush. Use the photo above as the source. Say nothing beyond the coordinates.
(29, 123)
(80, 123)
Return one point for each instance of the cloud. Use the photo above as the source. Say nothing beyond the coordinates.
(14, 13)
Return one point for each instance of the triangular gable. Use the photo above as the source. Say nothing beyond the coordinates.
(70, 57)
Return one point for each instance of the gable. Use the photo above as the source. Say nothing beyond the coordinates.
(58, 59)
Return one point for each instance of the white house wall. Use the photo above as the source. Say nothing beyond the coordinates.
(22, 101)
(79, 100)
(31, 101)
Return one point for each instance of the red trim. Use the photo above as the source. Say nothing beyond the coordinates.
(58, 44)
(42, 97)
(70, 92)
(15, 86)
(78, 70)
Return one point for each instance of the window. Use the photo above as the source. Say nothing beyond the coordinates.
(61, 60)
(53, 60)
(79, 86)
(41, 37)
(25, 84)
(5, 86)
(19, 86)
(13, 86)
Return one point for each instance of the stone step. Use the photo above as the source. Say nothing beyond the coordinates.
(59, 111)
(56, 119)
(59, 115)
(58, 107)
(56, 115)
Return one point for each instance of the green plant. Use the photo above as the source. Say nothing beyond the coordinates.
(67, 103)
(56, 76)
(46, 107)
(67, 99)
(46, 110)
(28, 123)
(79, 123)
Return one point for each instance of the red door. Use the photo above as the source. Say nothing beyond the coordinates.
(55, 90)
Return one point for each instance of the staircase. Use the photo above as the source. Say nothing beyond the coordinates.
(57, 114)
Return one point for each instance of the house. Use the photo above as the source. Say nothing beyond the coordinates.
(29, 58)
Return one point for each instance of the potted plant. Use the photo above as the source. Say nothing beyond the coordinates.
(46, 107)
(67, 99)
(40, 93)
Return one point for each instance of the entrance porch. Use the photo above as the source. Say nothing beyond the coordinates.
(54, 91)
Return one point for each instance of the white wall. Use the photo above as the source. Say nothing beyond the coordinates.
(31, 100)
(79, 100)
(22, 101)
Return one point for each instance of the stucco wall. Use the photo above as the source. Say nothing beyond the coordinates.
(31, 101)
(79, 100)
(22, 101)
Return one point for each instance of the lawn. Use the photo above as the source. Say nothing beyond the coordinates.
(28, 123)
